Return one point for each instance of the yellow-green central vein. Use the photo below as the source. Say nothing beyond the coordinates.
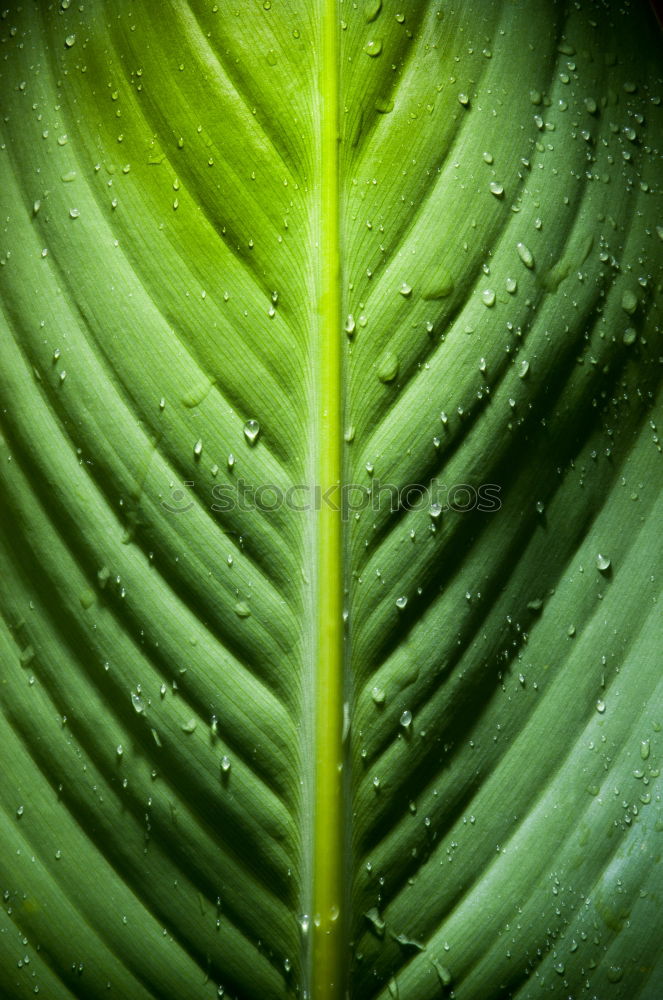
(328, 821)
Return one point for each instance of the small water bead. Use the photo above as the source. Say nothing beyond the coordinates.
(488, 297)
(74, 213)
(405, 290)
(226, 764)
(524, 369)
(600, 706)
(602, 563)
(496, 189)
(488, 157)
(198, 448)
(511, 285)
(406, 719)
(464, 100)
(540, 506)
(242, 610)
(525, 255)
(251, 431)
(70, 40)
(435, 511)
(350, 325)
(378, 695)
(645, 748)
(401, 602)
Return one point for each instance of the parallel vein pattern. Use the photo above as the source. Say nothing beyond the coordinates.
(405, 749)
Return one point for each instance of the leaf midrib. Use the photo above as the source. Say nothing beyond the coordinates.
(328, 837)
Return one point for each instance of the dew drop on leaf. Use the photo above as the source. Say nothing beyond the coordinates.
(371, 10)
(388, 367)
(496, 189)
(602, 563)
(251, 431)
(373, 47)
(629, 301)
(401, 602)
(525, 255)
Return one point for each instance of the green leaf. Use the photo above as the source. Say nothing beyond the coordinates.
(330, 383)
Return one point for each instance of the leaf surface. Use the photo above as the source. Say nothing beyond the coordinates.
(330, 394)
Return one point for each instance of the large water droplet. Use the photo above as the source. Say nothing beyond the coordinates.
(525, 255)
(388, 367)
(373, 47)
(251, 431)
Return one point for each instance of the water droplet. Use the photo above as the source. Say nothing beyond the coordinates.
(602, 563)
(198, 448)
(242, 610)
(496, 189)
(615, 973)
(401, 602)
(388, 367)
(511, 285)
(20, 811)
(644, 749)
(371, 10)
(225, 764)
(629, 301)
(137, 702)
(435, 511)
(230, 461)
(373, 47)
(251, 431)
(304, 922)
(525, 255)
(406, 719)
(488, 157)
(540, 506)
(405, 290)
(378, 695)
(600, 706)
(350, 325)
(188, 726)
(464, 100)
(384, 105)
(630, 336)
(70, 40)
(488, 297)
(74, 213)
(524, 368)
